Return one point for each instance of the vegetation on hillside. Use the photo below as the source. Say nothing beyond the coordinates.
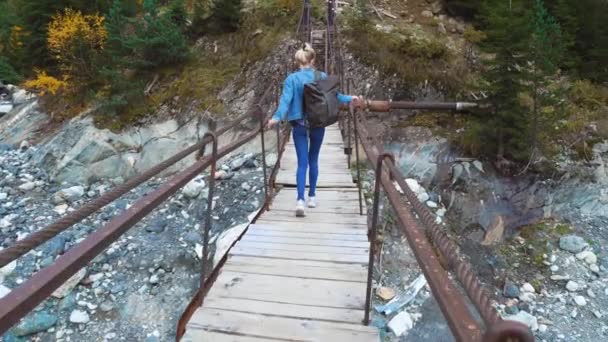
(538, 58)
(127, 57)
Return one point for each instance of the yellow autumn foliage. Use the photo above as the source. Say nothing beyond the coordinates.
(44, 83)
(74, 40)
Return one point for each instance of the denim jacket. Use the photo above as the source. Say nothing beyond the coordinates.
(291, 103)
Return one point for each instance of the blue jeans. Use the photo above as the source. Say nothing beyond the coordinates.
(308, 157)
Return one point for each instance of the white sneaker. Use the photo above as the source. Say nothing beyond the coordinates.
(300, 208)
(311, 202)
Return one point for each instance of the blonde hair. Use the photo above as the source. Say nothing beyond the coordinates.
(305, 55)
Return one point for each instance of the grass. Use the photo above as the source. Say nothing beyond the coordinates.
(537, 244)
(410, 53)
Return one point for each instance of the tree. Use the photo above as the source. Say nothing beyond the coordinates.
(200, 15)
(178, 14)
(75, 41)
(547, 47)
(227, 15)
(8, 73)
(507, 28)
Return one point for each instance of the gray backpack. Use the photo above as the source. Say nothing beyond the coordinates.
(321, 101)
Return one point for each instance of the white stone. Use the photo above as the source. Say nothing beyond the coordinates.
(154, 279)
(71, 283)
(61, 209)
(478, 165)
(414, 185)
(589, 257)
(4, 290)
(401, 323)
(68, 195)
(527, 297)
(590, 293)
(80, 317)
(95, 277)
(527, 287)
(542, 328)
(594, 268)
(580, 300)
(524, 318)
(431, 204)
(423, 197)
(572, 286)
(3, 196)
(8, 269)
(110, 336)
(441, 212)
(24, 145)
(27, 186)
(554, 268)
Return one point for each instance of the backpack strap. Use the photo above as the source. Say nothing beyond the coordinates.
(318, 75)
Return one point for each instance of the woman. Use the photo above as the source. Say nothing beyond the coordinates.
(306, 140)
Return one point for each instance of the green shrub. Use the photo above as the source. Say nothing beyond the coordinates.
(8, 73)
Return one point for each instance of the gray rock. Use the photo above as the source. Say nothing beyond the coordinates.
(525, 318)
(79, 317)
(572, 243)
(427, 14)
(55, 246)
(192, 237)
(106, 306)
(511, 290)
(71, 194)
(441, 28)
(68, 302)
(158, 226)
(511, 309)
(37, 322)
(239, 162)
(194, 188)
(118, 288)
(154, 279)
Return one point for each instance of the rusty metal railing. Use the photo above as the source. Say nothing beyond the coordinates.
(425, 237)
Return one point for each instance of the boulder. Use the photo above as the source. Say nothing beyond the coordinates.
(572, 243)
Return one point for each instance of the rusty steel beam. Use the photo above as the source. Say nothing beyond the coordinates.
(28, 295)
(387, 106)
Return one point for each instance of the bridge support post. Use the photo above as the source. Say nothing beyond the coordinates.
(208, 221)
(358, 166)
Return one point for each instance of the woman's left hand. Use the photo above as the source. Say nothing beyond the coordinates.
(356, 101)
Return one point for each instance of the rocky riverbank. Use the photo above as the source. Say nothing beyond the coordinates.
(137, 289)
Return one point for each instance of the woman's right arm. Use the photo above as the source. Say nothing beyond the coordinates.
(285, 101)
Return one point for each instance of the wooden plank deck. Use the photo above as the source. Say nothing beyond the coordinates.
(295, 279)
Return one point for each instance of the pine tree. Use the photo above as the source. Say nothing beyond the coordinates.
(507, 27)
(227, 15)
(547, 48)
(178, 14)
(199, 17)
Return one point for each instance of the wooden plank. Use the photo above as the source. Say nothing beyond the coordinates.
(313, 217)
(327, 236)
(322, 207)
(301, 291)
(276, 328)
(361, 258)
(303, 248)
(297, 268)
(194, 335)
(304, 241)
(325, 228)
(285, 310)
